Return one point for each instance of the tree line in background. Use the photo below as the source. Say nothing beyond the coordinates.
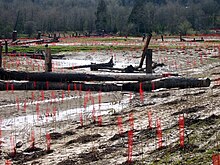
(125, 17)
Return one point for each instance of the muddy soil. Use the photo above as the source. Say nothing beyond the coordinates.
(100, 140)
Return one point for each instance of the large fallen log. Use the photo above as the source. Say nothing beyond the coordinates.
(31, 85)
(194, 40)
(169, 82)
(77, 76)
(37, 55)
(93, 66)
(18, 42)
(130, 68)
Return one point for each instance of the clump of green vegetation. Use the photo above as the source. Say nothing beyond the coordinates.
(57, 49)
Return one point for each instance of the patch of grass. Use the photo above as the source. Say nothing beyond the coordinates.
(198, 159)
(23, 49)
(57, 49)
(193, 158)
(112, 39)
(213, 41)
(210, 151)
(100, 39)
(86, 44)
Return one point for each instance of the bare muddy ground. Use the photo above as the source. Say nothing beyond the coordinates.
(100, 141)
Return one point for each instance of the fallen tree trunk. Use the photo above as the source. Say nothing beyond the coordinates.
(194, 40)
(38, 55)
(168, 82)
(59, 86)
(93, 66)
(40, 41)
(130, 68)
(69, 77)
(145, 50)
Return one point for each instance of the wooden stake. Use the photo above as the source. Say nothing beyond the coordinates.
(6, 47)
(149, 61)
(55, 36)
(48, 60)
(0, 55)
(14, 36)
(162, 38)
(39, 35)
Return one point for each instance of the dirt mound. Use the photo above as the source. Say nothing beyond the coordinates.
(90, 156)
(190, 110)
(67, 162)
(84, 139)
(57, 135)
(28, 154)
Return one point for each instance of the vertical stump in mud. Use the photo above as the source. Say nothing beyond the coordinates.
(181, 38)
(55, 38)
(0, 55)
(14, 36)
(48, 60)
(38, 35)
(148, 61)
(162, 38)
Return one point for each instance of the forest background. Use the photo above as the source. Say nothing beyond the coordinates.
(122, 17)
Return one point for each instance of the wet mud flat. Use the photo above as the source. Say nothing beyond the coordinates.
(100, 139)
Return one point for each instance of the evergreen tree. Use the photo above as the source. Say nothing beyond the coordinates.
(137, 16)
(101, 16)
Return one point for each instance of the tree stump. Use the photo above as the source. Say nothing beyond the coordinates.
(48, 60)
